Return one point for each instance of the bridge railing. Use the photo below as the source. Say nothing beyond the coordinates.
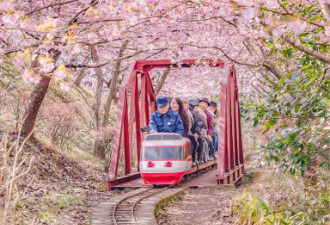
(137, 101)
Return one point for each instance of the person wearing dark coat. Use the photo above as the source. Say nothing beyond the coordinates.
(164, 120)
(204, 103)
(197, 127)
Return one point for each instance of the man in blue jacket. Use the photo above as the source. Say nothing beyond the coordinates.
(164, 120)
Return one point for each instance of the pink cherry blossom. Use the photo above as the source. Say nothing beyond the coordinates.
(278, 31)
(65, 87)
(30, 77)
(7, 5)
(18, 63)
(10, 19)
(224, 12)
(248, 14)
(297, 26)
(180, 29)
(327, 30)
(59, 74)
(47, 67)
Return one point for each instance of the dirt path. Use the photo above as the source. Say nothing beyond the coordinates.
(209, 205)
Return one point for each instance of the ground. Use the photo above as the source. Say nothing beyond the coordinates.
(197, 207)
(212, 205)
(60, 190)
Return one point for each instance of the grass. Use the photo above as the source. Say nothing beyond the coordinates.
(50, 171)
(251, 209)
(281, 198)
(173, 198)
(52, 203)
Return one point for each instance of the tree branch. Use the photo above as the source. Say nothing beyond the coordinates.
(291, 14)
(104, 63)
(309, 51)
(162, 81)
(283, 7)
(94, 2)
(77, 88)
(50, 5)
(100, 21)
(112, 89)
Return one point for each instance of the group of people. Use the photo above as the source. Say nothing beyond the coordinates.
(195, 119)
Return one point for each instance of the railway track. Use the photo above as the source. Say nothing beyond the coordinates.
(124, 211)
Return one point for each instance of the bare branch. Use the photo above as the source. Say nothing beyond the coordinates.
(82, 95)
(112, 89)
(162, 81)
(82, 11)
(48, 6)
(283, 7)
(226, 55)
(100, 21)
(104, 63)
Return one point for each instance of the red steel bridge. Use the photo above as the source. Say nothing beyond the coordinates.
(137, 101)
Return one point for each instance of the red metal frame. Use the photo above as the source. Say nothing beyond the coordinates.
(230, 160)
(230, 151)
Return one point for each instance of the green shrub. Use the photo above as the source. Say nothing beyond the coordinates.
(249, 209)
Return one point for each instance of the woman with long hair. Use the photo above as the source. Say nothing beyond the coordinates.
(177, 106)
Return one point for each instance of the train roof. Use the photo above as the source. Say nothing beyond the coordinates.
(165, 139)
(163, 136)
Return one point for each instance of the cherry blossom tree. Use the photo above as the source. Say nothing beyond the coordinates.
(60, 39)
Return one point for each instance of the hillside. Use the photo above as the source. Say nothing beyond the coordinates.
(65, 180)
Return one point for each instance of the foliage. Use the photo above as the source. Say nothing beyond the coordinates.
(254, 210)
(298, 109)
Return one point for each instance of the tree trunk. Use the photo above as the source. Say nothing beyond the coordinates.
(112, 89)
(35, 102)
(37, 97)
(99, 150)
(79, 77)
(97, 102)
(162, 81)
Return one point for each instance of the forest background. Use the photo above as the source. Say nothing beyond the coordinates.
(54, 130)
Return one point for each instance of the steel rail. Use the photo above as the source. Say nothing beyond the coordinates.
(145, 195)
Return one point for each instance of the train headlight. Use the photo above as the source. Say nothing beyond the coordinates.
(150, 164)
(168, 164)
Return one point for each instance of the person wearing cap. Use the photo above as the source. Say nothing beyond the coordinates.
(204, 104)
(192, 105)
(164, 120)
(198, 127)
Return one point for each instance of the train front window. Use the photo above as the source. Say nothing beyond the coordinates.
(162, 153)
